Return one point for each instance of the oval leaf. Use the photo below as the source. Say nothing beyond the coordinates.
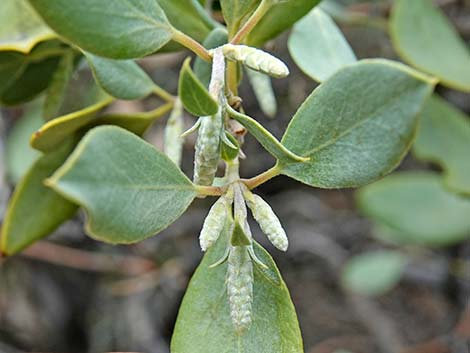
(357, 126)
(21, 27)
(35, 211)
(444, 138)
(194, 96)
(122, 79)
(373, 273)
(204, 324)
(129, 190)
(318, 47)
(418, 209)
(425, 38)
(119, 29)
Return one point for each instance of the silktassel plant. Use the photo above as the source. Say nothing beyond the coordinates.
(353, 129)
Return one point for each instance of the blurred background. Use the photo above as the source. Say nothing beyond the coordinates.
(69, 293)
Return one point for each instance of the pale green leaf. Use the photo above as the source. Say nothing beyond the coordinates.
(194, 96)
(19, 154)
(444, 138)
(265, 138)
(425, 38)
(357, 126)
(119, 29)
(417, 209)
(373, 273)
(21, 28)
(35, 211)
(278, 19)
(318, 47)
(264, 92)
(236, 11)
(204, 324)
(129, 190)
(122, 79)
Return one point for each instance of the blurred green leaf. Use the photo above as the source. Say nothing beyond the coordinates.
(118, 29)
(279, 19)
(122, 79)
(21, 27)
(19, 154)
(424, 37)
(236, 11)
(35, 211)
(373, 273)
(204, 324)
(318, 47)
(416, 209)
(444, 138)
(129, 190)
(194, 96)
(353, 139)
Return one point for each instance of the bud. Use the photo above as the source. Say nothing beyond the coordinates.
(256, 59)
(207, 155)
(214, 223)
(268, 221)
(240, 287)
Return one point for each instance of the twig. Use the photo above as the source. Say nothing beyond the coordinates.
(88, 261)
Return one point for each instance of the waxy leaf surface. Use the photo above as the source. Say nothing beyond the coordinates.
(119, 29)
(425, 38)
(194, 96)
(357, 126)
(129, 190)
(204, 324)
(122, 79)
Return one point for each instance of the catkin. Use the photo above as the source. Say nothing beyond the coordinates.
(207, 149)
(214, 223)
(173, 130)
(256, 59)
(268, 221)
(263, 91)
(240, 287)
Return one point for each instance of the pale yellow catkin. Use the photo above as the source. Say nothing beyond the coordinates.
(240, 287)
(214, 223)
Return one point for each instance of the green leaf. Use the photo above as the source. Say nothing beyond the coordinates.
(21, 27)
(35, 211)
(278, 19)
(23, 77)
(417, 209)
(235, 11)
(444, 138)
(59, 129)
(56, 91)
(425, 38)
(184, 16)
(318, 47)
(373, 273)
(129, 190)
(203, 69)
(19, 154)
(264, 92)
(194, 96)
(357, 126)
(122, 79)
(267, 140)
(204, 324)
(118, 29)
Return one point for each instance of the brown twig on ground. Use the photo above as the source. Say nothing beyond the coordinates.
(88, 261)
